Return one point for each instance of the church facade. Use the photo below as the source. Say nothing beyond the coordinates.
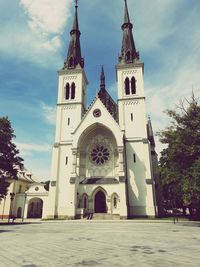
(102, 155)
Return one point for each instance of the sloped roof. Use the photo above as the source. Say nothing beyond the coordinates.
(109, 103)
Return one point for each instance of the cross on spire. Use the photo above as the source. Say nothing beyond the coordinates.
(76, 3)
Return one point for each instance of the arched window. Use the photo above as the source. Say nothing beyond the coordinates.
(128, 56)
(84, 201)
(115, 202)
(73, 91)
(133, 85)
(67, 91)
(127, 86)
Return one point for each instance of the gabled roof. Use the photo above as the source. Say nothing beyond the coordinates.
(105, 97)
(109, 103)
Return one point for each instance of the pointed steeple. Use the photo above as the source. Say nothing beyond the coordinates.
(128, 51)
(126, 14)
(102, 79)
(105, 97)
(74, 51)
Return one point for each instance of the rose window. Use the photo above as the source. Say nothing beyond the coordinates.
(100, 155)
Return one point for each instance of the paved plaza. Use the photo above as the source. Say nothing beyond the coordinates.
(100, 243)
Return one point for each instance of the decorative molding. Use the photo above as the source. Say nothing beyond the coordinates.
(138, 64)
(69, 102)
(132, 102)
(70, 78)
(132, 98)
(120, 149)
(149, 181)
(53, 183)
(73, 72)
(130, 72)
(99, 180)
(69, 107)
(145, 141)
(56, 145)
(122, 179)
(74, 151)
(72, 180)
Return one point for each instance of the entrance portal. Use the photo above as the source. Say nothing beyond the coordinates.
(35, 208)
(100, 202)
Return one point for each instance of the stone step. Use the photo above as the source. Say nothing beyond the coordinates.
(105, 216)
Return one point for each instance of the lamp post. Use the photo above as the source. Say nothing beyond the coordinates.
(24, 206)
(12, 195)
(4, 200)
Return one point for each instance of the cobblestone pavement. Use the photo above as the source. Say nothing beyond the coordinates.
(97, 243)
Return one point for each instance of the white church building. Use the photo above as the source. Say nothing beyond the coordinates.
(102, 155)
(103, 159)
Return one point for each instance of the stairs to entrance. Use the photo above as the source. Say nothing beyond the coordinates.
(105, 216)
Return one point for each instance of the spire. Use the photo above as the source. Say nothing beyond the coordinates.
(75, 24)
(74, 51)
(102, 79)
(126, 14)
(128, 51)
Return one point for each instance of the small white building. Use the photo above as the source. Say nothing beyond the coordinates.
(102, 155)
(25, 198)
(13, 204)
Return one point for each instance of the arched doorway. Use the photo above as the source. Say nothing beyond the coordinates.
(100, 202)
(35, 207)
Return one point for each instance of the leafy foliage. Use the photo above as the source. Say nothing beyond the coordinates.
(10, 162)
(180, 161)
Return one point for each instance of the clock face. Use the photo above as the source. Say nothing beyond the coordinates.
(97, 113)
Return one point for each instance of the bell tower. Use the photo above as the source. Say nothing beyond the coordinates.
(72, 83)
(130, 84)
(132, 119)
(71, 106)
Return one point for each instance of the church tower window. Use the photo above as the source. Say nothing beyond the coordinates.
(67, 91)
(85, 202)
(128, 56)
(131, 116)
(133, 85)
(115, 202)
(73, 91)
(71, 63)
(127, 86)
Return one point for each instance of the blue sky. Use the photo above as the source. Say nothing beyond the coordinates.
(34, 37)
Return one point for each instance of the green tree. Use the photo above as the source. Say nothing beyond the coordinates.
(10, 162)
(180, 161)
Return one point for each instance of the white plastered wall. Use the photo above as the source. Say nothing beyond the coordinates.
(140, 193)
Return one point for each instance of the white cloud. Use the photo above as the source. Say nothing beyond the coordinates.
(168, 94)
(33, 147)
(49, 113)
(46, 16)
(153, 20)
(36, 37)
